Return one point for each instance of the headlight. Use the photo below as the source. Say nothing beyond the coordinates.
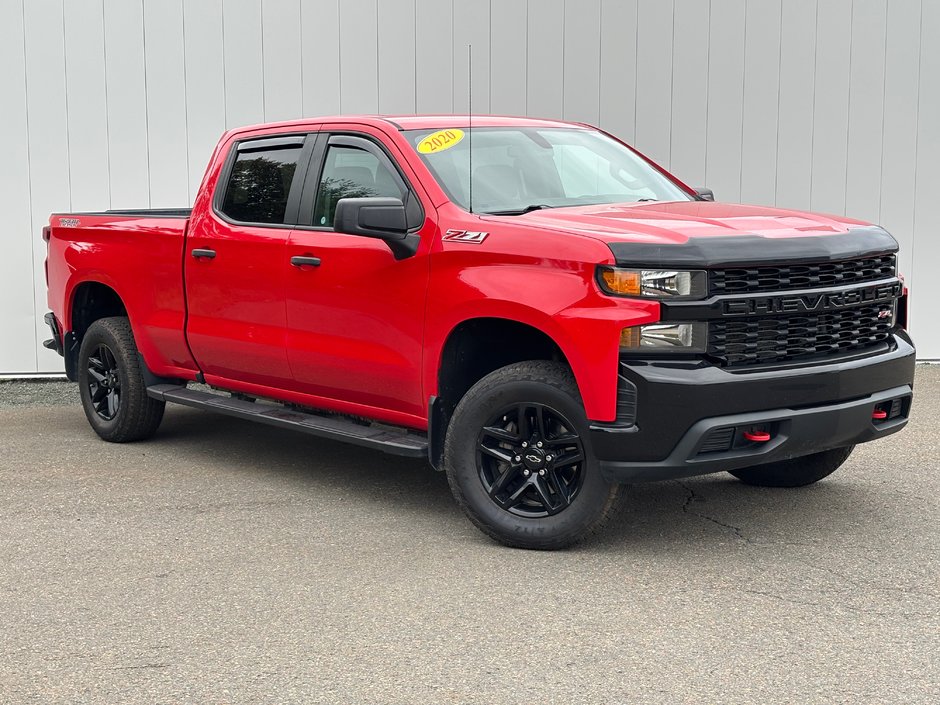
(665, 338)
(654, 283)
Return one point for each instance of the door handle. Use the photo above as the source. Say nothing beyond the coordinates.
(305, 261)
(204, 253)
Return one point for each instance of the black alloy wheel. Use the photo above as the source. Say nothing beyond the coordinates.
(104, 383)
(531, 460)
(112, 384)
(519, 461)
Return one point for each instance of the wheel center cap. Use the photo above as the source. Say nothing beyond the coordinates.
(534, 458)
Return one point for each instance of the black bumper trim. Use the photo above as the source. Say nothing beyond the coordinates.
(796, 432)
(673, 395)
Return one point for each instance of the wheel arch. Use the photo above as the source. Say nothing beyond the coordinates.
(467, 355)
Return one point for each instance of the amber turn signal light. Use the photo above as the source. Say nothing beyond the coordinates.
(622, 281)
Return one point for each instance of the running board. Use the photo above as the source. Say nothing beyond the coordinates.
(384, 438)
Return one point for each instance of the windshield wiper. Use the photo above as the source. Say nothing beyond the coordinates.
(523, 211)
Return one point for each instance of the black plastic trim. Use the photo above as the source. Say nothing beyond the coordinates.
(397, 441)
(794, 433)
(795, 302)
(673, 395)
(750, 249)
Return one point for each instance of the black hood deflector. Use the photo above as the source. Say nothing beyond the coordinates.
(743, 250)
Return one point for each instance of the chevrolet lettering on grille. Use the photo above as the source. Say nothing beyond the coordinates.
(812, 302)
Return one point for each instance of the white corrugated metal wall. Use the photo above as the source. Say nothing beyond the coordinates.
(832, 105)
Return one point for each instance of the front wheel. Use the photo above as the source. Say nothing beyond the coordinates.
(796, 472)
(113, 390)
(519, 462)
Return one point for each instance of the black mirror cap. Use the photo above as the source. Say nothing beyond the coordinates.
(704, 194)
(378, 217)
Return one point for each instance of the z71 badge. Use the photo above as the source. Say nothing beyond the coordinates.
(465, 236)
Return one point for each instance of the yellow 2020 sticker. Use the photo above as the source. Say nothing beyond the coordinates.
(439, 141)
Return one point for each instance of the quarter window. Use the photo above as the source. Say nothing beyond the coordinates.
(259, 184)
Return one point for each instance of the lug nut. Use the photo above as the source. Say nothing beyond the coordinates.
(539, 444)
(525, 472)
(518, 458)
(548, 457)
(525, 444)
(542, 471)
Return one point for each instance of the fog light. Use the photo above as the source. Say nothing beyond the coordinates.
(665, 338)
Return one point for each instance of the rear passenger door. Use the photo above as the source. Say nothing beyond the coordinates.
(235, 262)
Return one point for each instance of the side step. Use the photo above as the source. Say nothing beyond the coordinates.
(384, 438)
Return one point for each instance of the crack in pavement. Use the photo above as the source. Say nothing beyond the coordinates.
(693, 497)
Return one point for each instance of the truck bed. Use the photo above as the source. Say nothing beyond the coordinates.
(137, 252)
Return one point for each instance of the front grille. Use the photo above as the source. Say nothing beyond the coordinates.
(768, 339)
(746, 280)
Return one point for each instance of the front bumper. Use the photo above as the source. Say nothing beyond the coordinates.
(690, 416)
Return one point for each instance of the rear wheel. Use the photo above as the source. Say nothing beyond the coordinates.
(519, 461)
(796, 472)
(112, 386)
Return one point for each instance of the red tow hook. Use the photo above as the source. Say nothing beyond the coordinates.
(879, 414)
(757, 436)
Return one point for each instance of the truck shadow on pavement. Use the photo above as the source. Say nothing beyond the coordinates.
(696, 513)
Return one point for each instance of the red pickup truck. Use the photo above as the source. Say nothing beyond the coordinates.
(532, 305)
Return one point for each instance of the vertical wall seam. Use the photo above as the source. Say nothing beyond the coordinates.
(29, 183)
(636, 67)
(812, 132)
(185, 96)
(107, 111)
(884, 82)
(224, 87)
(564, 55)
(848, 122)
(68, 122)
(920, 74)
(526, 56)
(600, 56)
(378, 107)
(264, 99)
(743, 88)
(777, 121)
(708, 69)
(143, 56)
(453, 63)
(672, 87)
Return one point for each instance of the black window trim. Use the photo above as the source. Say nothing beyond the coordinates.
(306, 140)
(357, 140)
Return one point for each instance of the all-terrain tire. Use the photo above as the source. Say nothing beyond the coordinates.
(526, 422)
(112, 386)
(796, 472)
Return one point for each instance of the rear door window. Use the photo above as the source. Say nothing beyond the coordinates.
(259, 182)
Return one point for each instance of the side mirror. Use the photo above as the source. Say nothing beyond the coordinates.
(704, 194)
(378, 217)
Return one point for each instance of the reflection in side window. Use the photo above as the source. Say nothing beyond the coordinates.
(351, 173)
(259, 184)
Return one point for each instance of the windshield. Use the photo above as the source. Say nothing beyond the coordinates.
(518, 169)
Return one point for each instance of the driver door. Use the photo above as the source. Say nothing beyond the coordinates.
(355, 313)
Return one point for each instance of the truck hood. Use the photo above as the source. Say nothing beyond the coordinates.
(709, 234)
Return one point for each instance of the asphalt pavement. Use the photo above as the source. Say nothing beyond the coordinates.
(227, 562)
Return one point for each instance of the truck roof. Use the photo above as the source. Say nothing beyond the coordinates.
(417, 122)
